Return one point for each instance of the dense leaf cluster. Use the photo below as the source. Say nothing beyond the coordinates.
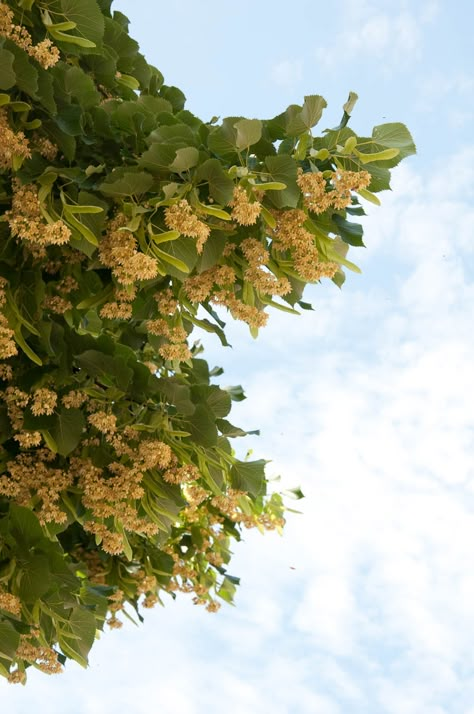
(125, 223)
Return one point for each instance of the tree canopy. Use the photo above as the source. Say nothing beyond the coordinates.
(126, 222)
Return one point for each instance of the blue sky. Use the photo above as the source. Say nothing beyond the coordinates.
(366, 604)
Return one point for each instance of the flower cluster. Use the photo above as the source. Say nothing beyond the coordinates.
(199, 287)
(10, 603)
(45, 658)
(290, 234)
(167, 303)
(45, 147)
(177, 347)
(244, 211)
(45, 53)
(8, 346)
(263, 280)
(252, 315)
(28, 476)
(180, 217)
(115, 491)
(11, 143)
(118, 251)
(26, 220)
(44, 402)
(202, 286)
(318, 195)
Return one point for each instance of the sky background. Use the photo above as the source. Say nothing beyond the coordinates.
(366, 605)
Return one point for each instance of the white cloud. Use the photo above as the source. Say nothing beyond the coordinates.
(387, 31)
(287, 73)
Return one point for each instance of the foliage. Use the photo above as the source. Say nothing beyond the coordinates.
(125, 222)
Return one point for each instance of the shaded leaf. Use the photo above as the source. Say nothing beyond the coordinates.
(249, 476)
(127, 183)
(68, 429)
(7, 74)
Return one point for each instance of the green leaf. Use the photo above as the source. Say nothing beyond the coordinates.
(21, 342)
(283, 169)
(369, 196)
(350, 232)
(394, 135)
(184, 251)
(68, 429)
(249, 132)
(231, 431)
(249, 476)
(79, 208)
(221, 186)
(312, 110)
(215, 211)
(24, 525)
(270, 186)
(7, 74)
(76, 637)
(185, 159)
(350, 104)
(164, 237)
(128, 81)
(61, 26)
(35, 579)
(88, 17)
(269, 219)
(219, 401)
(384, 155)
(222, 140)
(202, 427)
(70, 119)
(157, 158)
(9, 640)
(171, 260)
(309, 115)
(72, 39)
(236, 393)
(80, 85)
(128, 183)
(227, 590)
(25, 71)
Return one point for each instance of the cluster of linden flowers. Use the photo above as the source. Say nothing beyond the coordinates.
(15, 401)
(26, 220)
(290, 234)
(263, 280)
(10, 603)
(45, 53)
(146, 585)
(118, 251)
(121, 308)
(11, 143)
(244, 211)
(180, 217)
(30, 477)
(316, 196)
(201, 287)
(44, 658)
(115, 491)
(45, 147)
(8, 346)
(60, 302)
(176, 348)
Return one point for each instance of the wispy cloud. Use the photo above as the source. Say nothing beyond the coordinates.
(392, 34)
(287, 73)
